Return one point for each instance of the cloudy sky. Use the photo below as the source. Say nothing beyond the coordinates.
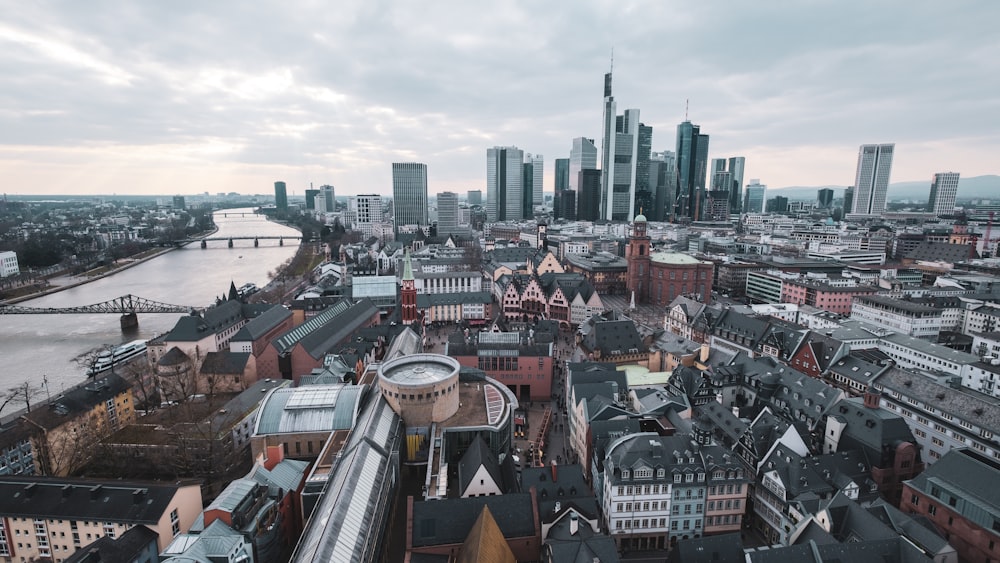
(183, 97)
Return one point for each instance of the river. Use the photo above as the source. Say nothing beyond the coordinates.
(45, 347)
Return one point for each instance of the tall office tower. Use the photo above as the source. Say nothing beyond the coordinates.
(537, 191)
(588, 199)
(824, 198)
(662, 181)
(330, 197)
(179, 202)
(280, 196)
(319, 201)
(504, 174)
(872, 180)
(737, 165)
(619, 152)
(944, 188)
(562, 174)
(720, 180)
(583, 156)
(531, 184)
(475, 197)
(363, 212)
(692, 160)
(311, 198)
(409, 194)
(753, 201)
(565, 205)
(644, 196)
(447, 203)
(849, 200)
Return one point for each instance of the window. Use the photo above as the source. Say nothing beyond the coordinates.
(932, 510)
(175, 525)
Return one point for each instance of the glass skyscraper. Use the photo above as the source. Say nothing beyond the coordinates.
(562, 174)
(583, 156)
(944, 189)
(409, 194)
(692, 163)
(504, 174)
(871, 183)
(280, 196)
(753, 201)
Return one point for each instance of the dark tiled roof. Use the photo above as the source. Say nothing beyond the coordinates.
(584, 546)
(126, 547)
(725, 548)
(614, 337)
(77, 401)
(942, 252)
(322, 340)
(262, 324)
(449, 521)
(228, 363)
(567, 487)
(965, 473)
(873, 430)
(478, 455)
(81, 499)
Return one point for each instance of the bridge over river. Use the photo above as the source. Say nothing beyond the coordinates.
(256, 240)
(128, 306)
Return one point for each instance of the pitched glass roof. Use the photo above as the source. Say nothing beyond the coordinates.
(313, 408)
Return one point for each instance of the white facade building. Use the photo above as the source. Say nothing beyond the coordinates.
(944, 189)
(871, 182)
(8, 264)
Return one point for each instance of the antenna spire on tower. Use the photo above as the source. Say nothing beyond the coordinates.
(686, 109)
(612, 69)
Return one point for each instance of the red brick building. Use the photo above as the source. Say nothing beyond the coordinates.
(822, 295)
(658, 277)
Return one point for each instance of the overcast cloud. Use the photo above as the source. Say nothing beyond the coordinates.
(187, 97)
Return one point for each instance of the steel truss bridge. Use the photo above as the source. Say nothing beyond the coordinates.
(128, 306)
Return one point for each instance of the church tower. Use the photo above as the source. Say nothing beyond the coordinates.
(408, 294)
(637, 257)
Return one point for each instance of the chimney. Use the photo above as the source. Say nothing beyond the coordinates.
(872, 398)
(555, 471)
(703, 353)
(273, 455)
(574, 524)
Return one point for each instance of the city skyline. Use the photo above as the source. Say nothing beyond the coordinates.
(155, 100)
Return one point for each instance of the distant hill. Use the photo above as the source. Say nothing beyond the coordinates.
(968, 188)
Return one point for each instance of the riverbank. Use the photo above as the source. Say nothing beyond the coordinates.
(61, 283)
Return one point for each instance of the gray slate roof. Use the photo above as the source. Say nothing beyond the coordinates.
(448, 521)
(83, 499)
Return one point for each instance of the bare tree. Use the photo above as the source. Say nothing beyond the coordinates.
(22, 394)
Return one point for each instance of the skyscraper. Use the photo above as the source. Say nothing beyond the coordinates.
(753, 201)
(588, 199)
(280, 196)
(531, 184)
(644, 196)
(872, 179)
(475, 197)
(849, 200)
(504, 174)
(619, 158)
(824, 197)
(583, 156)
(447, 204)
(737, 165)
(692, 161)
(329, 197)
(409, 194)
(721, 180)
(562, 174)
(663, 182)
(944, 189)
(311, 198)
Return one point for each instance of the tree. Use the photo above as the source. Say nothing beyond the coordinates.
(22, 394)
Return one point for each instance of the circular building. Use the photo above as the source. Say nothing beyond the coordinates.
(421, 388)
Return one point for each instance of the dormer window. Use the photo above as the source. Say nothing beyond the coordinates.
(660, 473)
(624, 473)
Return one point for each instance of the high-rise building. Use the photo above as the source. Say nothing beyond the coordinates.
(737, 166)
(280, 196)
(319, 201)
(644, 195)
(179, 202)
(583, 156)
(329, 197)
(504, 174)
(447, 204)
(562, 174)
(409, 194)
(753, 201)
(721, 180)
(619, 158)
(872, 179)
(531, 184)
(475, 197)
(311, 198)
(564, 205)
(692, 161)
(824, 197)
(944, 189)
(588, 199)
(363, 213)
(663, 182)
(717, 208)
(849, 200)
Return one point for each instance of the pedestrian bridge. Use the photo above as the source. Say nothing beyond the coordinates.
(128, 306)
